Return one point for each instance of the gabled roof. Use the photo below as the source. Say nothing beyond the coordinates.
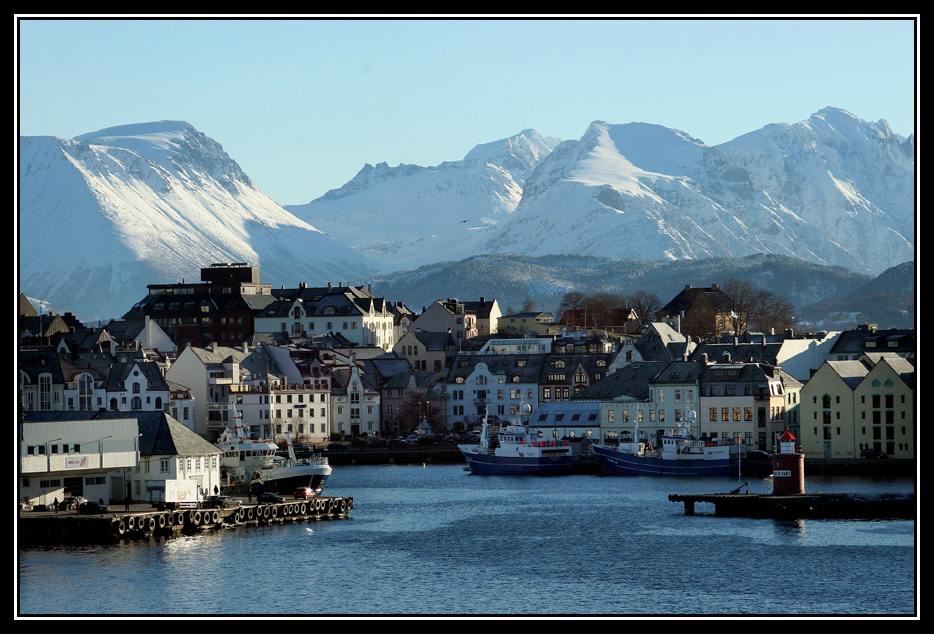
(632, 381)
(868, 339)
(747, 352)
(661, 342)
(850, 372)
(526, 367)
(125, 330)
(161, 435)
(568, 364)
(97, 364)
(684, 300)
(119, 375)
(434, 341)
(36, 362)
(481, 308)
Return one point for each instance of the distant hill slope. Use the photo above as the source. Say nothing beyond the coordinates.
(512, 279)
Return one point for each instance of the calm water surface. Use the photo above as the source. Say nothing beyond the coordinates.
(436, 540)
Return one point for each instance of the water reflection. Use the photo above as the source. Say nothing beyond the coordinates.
(436, 540)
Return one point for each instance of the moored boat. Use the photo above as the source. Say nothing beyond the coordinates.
(285, 475)
(680, 454)
(243, 456)
(515, 451)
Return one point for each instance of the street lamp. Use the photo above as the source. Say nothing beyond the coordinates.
(48, 456)
(100, 450)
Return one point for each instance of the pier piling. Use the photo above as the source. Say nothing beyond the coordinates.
(50, 529)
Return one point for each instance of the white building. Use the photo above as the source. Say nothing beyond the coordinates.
(111, 456)
(62, 456)
(260, 383)
(495, 386)
(349, 310)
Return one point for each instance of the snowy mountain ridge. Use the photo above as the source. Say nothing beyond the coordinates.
(833, 189)
(408, 215)
(105, 214)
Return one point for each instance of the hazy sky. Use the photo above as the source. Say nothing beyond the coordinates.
(303, 104)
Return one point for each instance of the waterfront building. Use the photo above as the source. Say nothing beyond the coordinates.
(578, 422)
(863, 404)
(491, 385)
(64, 454)
(259, 384)
(742, 403)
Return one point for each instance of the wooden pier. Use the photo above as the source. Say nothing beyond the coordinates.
(49, 529)
(805, 505)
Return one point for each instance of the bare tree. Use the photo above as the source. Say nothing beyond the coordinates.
(757, 309)
(573, 300)
(646, 305)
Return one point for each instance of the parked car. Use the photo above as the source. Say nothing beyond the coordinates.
(72, 503)
(268, 497)
(336, 446)
(92, 508)
(220, 501)
(871, 453)
(757, 454)
(303, 493)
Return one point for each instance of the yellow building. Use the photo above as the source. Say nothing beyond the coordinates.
(851, 406)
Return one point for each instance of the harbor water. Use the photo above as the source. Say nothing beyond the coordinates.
(436, 540)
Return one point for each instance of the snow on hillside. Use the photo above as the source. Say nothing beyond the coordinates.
(834, 190)
(153, 203)
(407, 215)
(105, 214)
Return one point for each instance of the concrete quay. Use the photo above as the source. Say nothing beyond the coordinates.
(142, 521)
(805, 505)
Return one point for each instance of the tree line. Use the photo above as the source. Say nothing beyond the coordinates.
(752, 309)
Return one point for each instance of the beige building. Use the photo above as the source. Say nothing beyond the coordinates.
(856, 405)
(426, 351)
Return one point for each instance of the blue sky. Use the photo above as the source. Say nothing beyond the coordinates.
(303, 104)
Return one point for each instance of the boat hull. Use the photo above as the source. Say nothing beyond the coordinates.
(284, 480)
(485, 464)
(614, 462)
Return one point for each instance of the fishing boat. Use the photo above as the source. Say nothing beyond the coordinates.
(516, 451)
(243, 456)
(680, 454)
(285, 475)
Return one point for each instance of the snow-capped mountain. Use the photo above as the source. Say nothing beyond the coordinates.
(408, 215)
(105, 214)
(833, 190)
